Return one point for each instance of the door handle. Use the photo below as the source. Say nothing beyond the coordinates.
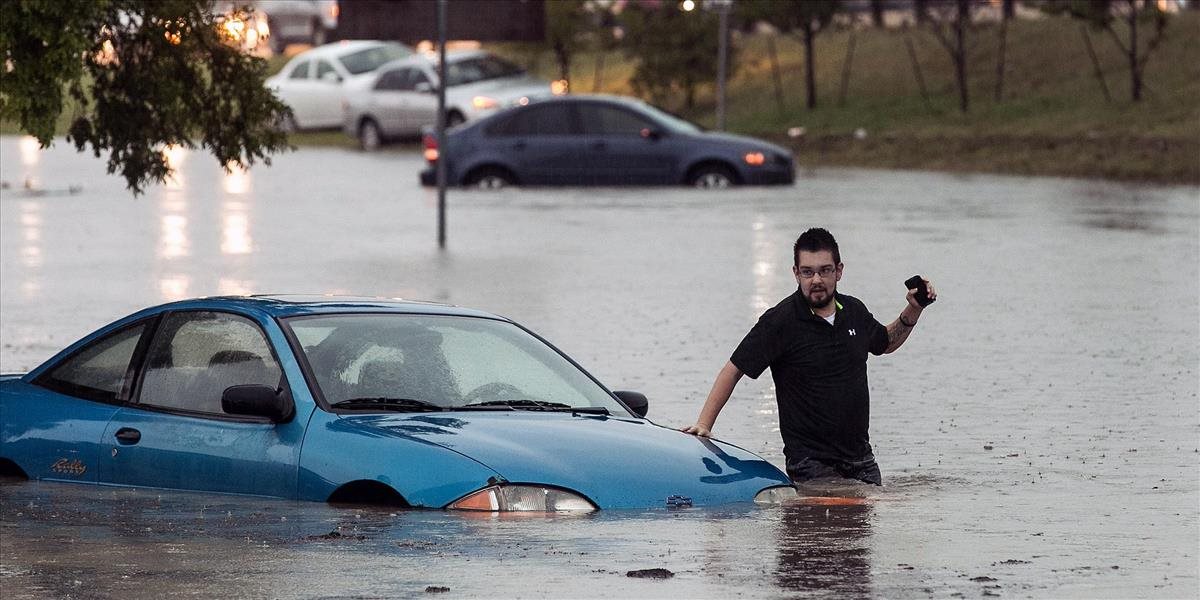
(599, 146)
(518, 146)
(128, 435)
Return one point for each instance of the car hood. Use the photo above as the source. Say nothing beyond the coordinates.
(615, 462)
(744, 140)
(506, 89)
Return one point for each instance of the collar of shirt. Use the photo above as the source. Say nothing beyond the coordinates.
(804, 311)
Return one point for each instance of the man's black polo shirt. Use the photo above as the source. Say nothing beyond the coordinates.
(820, 374)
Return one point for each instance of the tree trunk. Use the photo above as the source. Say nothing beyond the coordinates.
(912, 56)
(1000, 58)
(564, 61)
(1008, 9)
(921, 11)
(877, 13)
(598, 70)
(1087, 41)
(846, 69)
(1135, 68)
(960, 53)
(775, 73)
(810, 79)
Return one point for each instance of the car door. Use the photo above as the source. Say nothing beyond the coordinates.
(177, 436)
(297, 91)
(386, 101)
(58, 431)
(421, 109)
(327, 95)
(624, 147)
(541, 143)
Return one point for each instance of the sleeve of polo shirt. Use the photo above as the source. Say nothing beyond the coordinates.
(759, 348)
(878, 336)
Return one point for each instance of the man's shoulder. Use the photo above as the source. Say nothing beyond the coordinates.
(785, 311)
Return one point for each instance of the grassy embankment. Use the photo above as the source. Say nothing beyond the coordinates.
(1053, 118)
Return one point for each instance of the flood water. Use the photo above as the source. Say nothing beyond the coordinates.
(1039, 433)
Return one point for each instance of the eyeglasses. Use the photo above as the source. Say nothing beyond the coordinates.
(824, 272)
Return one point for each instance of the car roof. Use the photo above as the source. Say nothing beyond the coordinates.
(342, 47)
(432, 60)
(291, 305)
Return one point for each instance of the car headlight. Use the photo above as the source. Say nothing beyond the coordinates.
(484, 102)
(526, 498)
(775, 495)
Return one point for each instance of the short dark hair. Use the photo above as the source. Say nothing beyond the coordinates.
(816, 240)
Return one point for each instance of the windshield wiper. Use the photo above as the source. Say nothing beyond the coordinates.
(526, 404)
(401, 404)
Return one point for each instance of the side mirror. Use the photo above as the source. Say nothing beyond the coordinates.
(636, 401)
(331, 77)
(424, 88)
(257, 401)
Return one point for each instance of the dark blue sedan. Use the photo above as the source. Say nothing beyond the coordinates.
(355, 400)
(601, 140)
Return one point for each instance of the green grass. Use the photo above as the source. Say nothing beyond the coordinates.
(1052, 118)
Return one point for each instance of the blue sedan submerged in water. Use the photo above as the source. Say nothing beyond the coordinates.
(601, 140)
(355, 400)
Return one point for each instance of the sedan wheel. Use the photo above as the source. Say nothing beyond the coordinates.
(711, 178)
(490, 179)
(369, 138)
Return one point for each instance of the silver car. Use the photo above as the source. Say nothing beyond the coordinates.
(400, 98)
(313, 83)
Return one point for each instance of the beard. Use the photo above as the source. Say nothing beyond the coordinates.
(823, 292)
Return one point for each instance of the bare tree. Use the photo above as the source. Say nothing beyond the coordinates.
(950, 23)
(1105, 14)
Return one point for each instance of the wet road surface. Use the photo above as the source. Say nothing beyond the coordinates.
(1037, 433)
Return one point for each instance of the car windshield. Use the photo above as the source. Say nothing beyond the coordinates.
(479, 68)
(672, 121)
(389, 361)
(369, 59)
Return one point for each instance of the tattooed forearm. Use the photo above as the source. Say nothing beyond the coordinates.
(897, 332)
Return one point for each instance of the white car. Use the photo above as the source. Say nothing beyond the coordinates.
(400, 98)
(312, 82)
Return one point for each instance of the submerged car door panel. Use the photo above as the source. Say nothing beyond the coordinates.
(542, 143)
(624, 148)
(64, 413)
(178, 436)
(160, 449)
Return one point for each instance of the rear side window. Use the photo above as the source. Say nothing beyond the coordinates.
(195, 356)
(551, 119)
(98, 371)
(607, 120)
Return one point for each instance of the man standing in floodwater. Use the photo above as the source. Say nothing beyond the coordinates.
(816, 342)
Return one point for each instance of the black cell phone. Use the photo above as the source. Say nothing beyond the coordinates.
(916, 283)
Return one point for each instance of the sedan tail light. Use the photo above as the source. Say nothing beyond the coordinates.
(431, 147)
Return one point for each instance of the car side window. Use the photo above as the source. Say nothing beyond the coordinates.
(301, 71)
(551, 119)
(392, 80)
(607, 120)
(417, 78)
(98, 371)
(195, 356)
(324, 67)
